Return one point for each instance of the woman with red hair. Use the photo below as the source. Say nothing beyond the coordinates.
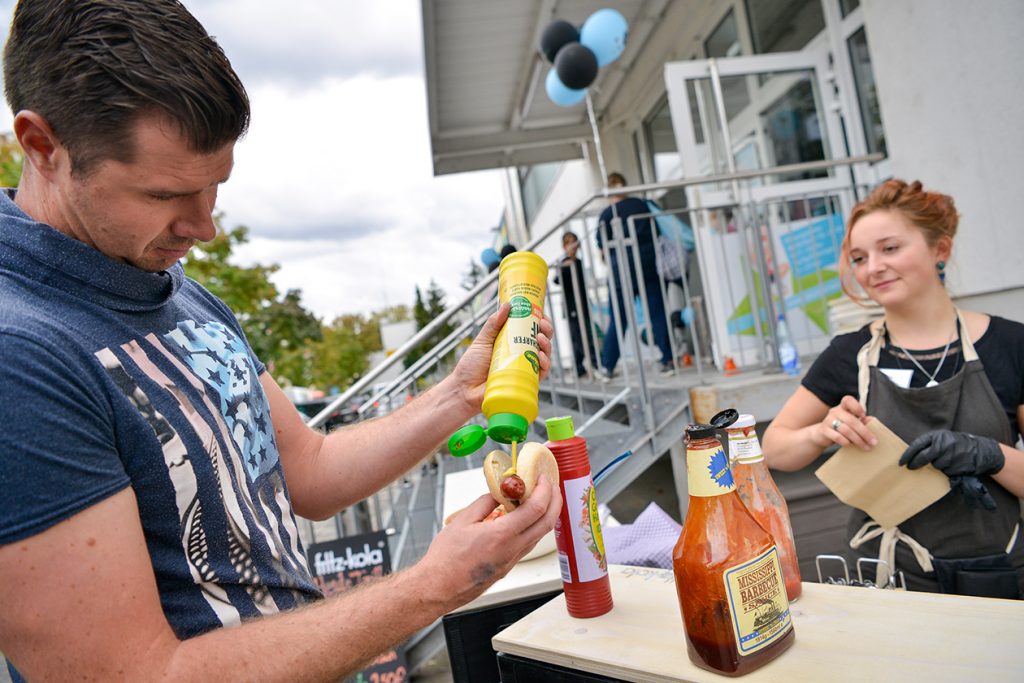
(948, 382)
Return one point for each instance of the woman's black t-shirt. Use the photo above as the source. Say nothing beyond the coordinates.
(1000, 350)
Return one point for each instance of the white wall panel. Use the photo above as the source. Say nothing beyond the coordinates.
(951, 92)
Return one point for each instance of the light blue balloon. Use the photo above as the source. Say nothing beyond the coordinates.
(605, 34)
(561, 95)
(488, 256)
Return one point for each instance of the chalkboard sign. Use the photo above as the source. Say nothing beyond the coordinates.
(344, 563)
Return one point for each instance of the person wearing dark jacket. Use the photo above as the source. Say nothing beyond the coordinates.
(577, 309)
(621, 209)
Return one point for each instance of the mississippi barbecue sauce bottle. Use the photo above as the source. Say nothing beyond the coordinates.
(759, 493)
(581, 556)
(728, 578)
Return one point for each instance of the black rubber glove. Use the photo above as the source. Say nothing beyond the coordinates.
(955, 453)
(974, 492)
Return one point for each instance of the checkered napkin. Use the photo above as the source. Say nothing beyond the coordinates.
(647, 542)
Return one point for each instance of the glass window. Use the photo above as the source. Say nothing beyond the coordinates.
(724, 41)
(661, 143)
(847, 6)
(784, 25)
(867, 94)
(793, 130)
(782, 125)
(535, 181)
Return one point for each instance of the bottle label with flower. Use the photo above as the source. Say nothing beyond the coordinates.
(708, 472)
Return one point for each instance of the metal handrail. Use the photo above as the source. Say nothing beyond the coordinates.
(645, 404)
(435, 324)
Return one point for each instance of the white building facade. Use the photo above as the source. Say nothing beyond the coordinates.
(914, 89)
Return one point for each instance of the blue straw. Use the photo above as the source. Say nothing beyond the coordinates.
(607, 468)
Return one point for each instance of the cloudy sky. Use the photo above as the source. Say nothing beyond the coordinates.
(334, 177)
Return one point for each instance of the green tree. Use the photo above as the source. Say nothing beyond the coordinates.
(342, 355)
(393, 314)
(11, 160)
(424, 311)
(472, 276)
(283, 331)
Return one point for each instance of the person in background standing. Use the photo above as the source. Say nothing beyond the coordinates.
(577, 308)
(621, 208)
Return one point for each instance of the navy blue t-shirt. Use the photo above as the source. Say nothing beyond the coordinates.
(114, 377)
(645, 227)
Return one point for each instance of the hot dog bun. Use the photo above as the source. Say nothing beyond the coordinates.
(533, 460)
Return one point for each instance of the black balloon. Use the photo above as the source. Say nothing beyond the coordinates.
(576, 66)
(557, 35)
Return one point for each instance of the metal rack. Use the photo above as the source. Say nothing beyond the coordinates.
(896, 580)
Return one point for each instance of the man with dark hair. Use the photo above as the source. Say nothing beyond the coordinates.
(618, 213)
(151, 468)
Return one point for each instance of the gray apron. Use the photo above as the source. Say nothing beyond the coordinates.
(949, 546)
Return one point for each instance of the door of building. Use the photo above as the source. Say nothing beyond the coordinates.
(768, 244)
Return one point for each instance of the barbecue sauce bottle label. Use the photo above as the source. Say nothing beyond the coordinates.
(756, 593)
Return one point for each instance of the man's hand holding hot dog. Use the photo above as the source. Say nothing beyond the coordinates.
(472, 551)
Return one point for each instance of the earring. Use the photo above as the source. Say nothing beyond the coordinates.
(941, 267)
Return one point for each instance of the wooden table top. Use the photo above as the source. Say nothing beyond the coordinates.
(842, 634)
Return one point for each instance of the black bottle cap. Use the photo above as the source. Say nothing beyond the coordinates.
(719, 421)
(725, 418)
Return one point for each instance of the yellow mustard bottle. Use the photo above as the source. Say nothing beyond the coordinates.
(513, 380)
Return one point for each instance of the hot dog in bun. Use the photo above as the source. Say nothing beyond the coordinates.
(510, 487)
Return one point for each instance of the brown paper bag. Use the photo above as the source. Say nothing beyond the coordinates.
(874, 482)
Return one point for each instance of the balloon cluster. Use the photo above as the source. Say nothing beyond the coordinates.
(489, 257)
(576, 55)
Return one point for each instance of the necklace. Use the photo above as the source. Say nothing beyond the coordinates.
(932, 382)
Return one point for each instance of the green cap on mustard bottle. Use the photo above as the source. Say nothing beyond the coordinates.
(501, 427)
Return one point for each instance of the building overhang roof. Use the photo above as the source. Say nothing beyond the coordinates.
(486, 101)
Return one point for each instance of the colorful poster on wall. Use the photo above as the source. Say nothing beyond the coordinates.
(345, 563)
(801, 275)
(807, 274)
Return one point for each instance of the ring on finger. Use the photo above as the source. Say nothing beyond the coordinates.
(836, 423)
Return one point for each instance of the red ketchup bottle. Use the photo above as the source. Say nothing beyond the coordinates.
(581, 555)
